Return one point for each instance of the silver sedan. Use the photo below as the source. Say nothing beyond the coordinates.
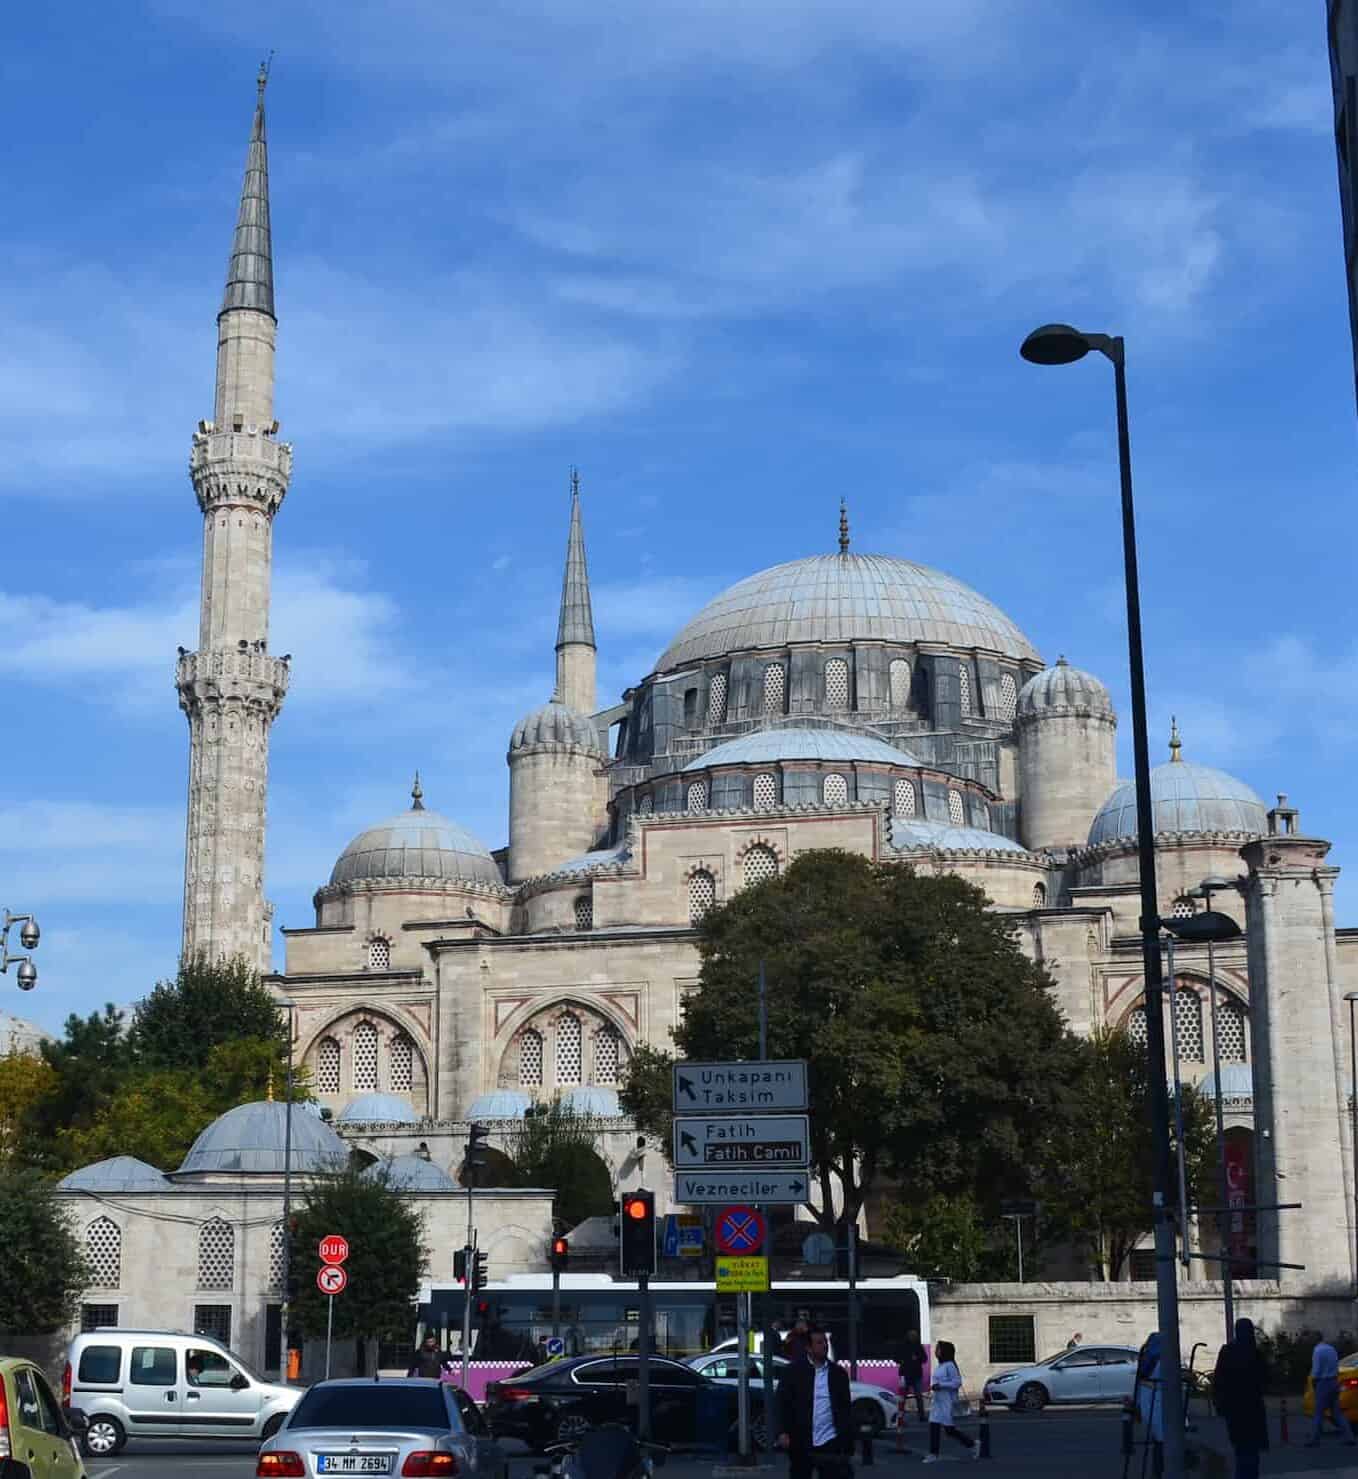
(404, 1426)
(1084, 1373)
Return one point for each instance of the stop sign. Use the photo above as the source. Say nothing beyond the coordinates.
(334, 1248)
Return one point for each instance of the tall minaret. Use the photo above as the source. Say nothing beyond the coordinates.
(576, 654)
(231, 689)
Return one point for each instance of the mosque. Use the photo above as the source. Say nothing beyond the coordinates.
(847, 700)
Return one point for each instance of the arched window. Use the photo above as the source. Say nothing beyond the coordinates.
(646, 805)
(1188, 1024)
(276, 1255)
(697, 796)
(104, 1251)
(1184, 908)
(903, 798)
(379, 954)
(584, 912)
(216, 1255)
(530, 1059)
(1231, 1040)
(365, 1056)
(836, 684)
(760, 863)
(1135, 1026)
(569, 1050)
(328, 1066)
(702, 894)
(956, 812)
(1008, 696)
(401, 1065)
(898, 675)
(607, 1055)
(765, 792)
(775, 688)
(834, 790)
(716, 699)
(1039, 896)
(964, 689)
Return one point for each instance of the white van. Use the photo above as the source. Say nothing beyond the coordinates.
(166, 1384)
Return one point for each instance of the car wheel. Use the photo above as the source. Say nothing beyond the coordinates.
(570, 1428)
(272, 1426)
(865, 1413)
(1031, 1397)
(103, 1438)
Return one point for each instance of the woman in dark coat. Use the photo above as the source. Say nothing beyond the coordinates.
(1238, 1392)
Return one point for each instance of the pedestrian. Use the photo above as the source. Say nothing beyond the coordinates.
(430, 1361)
(911, 1366)
(1146, 1394)
(814, 1425)
(796, 1341)
(946, 1399)
(1325, 1383)
(1238, 1395)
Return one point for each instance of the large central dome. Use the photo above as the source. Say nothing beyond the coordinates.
(845, 598)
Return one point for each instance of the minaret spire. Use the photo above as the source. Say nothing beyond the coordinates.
(249, 271)
(576, 653)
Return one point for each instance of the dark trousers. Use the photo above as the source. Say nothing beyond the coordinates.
(1247, 1463)
(914, 1384)
(936, 1432)
(830, 1462)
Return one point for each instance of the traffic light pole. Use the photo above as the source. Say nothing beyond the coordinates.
(469, 1295)
(556, 1300)
(644, 1361)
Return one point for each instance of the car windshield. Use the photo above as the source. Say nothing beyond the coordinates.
(381, 1405)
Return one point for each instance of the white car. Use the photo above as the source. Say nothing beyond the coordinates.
(1084, 1373)
(872, 1406)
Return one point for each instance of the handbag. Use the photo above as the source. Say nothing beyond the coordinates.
(961, 1404)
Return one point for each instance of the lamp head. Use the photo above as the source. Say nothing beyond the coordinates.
(1055, 344)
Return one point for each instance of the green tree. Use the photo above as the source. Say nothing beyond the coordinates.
(556, 1148)
(934, 1044)
(1097, 1175)
(89, 1063)
(43, 1271)
(942, 1237)
(26, 1080)
(386, 1255)
(209, 1002)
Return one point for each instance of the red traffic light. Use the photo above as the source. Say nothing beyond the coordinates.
(635, 1208)
(560, 1247)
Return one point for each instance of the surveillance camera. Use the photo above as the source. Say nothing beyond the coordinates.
(28, 975)
(30, 934)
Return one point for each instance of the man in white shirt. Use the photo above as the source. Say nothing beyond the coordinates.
(1325, 1385)
(814, 1424)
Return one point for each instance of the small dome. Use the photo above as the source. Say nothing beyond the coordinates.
(413, 1173)
(416, 844)
(251, 1140)
(1063, 688)
(120, 1173)
(500, 1104)
(370, 1109)
(908, 833)
(557, 727)
(1237, 1082)
(802, 744)
(598, 1103)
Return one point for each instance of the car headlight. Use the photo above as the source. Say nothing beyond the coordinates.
(999, 1381)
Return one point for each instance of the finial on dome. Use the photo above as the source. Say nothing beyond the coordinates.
(268, 1091)
(262, 81)
(1176, 745)
(1061, 661)
(575, 481)
(417, 794)
(843, 527)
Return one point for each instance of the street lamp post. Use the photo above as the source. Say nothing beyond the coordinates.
(1059, 344)
(1352, 998)
(285, 1311)
(29, 935)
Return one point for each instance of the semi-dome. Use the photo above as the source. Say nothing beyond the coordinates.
(118, 1173)
(416, 844)
(909, 833)
(251, 1140)
(500, 1104)
(412, 1173)
(1184, 798)
(1237, 1081)
(845, 598)
(803, 744)
(372, 1109)
(558, 726)
(1063, 688)
(595, 1102)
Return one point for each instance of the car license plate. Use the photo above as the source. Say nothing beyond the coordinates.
(353, 1463)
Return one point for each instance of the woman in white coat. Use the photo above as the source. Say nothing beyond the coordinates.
(946, 1387)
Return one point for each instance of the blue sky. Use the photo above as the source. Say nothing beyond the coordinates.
(733, 260)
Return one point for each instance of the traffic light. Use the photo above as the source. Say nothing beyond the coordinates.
(479, 1277)
(561, 1255)
(638, 1234)
(478, 1142)
(460, 1265)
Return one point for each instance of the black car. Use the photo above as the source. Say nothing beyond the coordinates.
(558, 1402)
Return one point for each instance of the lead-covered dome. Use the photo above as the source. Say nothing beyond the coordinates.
(803, 744)
(845, 598)
(1063, 689)
(555, 726)
(252, 1139)
(120, 1173)
(377, 1109)
(416, 844)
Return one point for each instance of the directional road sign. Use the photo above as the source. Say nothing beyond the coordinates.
(726, 1185)
(700, 1088)
(331, 1279)
(334, 1248)
(556, 1346)
(754, 1140)
(739, 1230)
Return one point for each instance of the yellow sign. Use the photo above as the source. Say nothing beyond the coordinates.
(742, 1275)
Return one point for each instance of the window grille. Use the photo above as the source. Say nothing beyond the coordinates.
(92, 1316)
(328, 1066)
(1188, 1024)
(401, 1065)
(1136, 1026)
(216, 1255)
(276, 1255)
(584, 912)
(1039, 896)
(716, 699)
(104, 1250)
(646, 805)
(365, 1056)
(1013, 1338)
(956, 814)
(213, 1320)
(765, 792)
(607, 1056)
(903, 798)
(836, 684)
(761, 863)
(835, 790)
(899, 676)
(569, 1054)
(964, 689)
(775, 686)
(702, 894)
(1008, 696)
(1231, 1032)
(697, 796)
(379, 954)
(1184, 908)
(1142, 1265)
(530, 1060)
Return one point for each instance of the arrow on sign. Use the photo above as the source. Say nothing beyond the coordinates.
(688, 1142)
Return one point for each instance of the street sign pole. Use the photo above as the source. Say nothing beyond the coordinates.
(556, 1300)
(469, 1291)
(329, 1330)
(743, 1377)
(766, 1302)
(851, 1242)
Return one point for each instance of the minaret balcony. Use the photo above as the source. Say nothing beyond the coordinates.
(239, 467)
(249, 676)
